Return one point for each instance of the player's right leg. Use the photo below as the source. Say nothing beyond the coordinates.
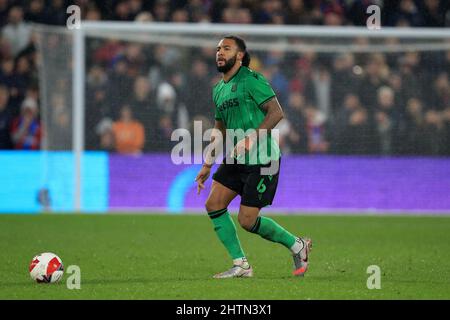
(216, 206)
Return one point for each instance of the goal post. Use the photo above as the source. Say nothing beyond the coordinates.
(79, 79)
(289, 40)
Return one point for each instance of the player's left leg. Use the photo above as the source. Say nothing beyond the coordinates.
(259, 191)
(269, 229)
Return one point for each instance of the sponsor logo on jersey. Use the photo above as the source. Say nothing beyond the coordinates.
(233, 102)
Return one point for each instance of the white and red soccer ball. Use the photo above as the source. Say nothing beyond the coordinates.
(46, 267)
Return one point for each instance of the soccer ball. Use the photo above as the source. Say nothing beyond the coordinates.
(46, 267)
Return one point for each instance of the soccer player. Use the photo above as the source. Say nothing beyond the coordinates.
(244, 100)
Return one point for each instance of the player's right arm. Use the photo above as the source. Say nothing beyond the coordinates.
(217, 135)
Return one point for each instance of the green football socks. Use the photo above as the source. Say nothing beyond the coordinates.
(226, 231)
(272, 231)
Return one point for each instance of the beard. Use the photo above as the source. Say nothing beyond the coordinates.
(227, 66)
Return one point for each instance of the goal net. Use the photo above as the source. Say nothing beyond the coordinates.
(345, 91)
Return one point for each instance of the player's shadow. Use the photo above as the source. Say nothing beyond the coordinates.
(16, 283)
(105, 281)
(109, 281)
(176, 279)
(139, 280)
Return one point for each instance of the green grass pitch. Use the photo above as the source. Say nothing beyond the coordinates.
(129, 256)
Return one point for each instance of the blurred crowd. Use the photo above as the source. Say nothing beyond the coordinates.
(137, 94)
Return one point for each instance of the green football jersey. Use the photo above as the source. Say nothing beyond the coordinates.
(238, 103)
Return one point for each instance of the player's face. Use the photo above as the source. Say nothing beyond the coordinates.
(227, 54)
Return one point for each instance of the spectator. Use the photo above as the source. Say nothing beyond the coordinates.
(267, 9)
(122, 11)
(433, 13)
(17, 32)
(180, 16)
(343, 81)
(321, 80)
(386, 102)
(135, 7)
(385, 130)
(107, 52)
(119, 85)
(11, 80)
(36, 12)
(26, 129)
(296, 140)
(96, 78)
(169, 104)
(57, 13)
(333, 19)
(407, 14)
(97, 103)
(376, 71)
(412, 137)
(161, 141)
(164, 58)
(387, 117)
(93, 14)
(408, 73)
(22, 71)
(301, 81)
(358, 135)
(144, 107)
(59, 131)
(5, 119)
(446, 118)
(144, 17)
(106, 135)
(340, 122)
(279, 82)
(284, 130)
(178, 81)
(166, 99)
(198, 100)
(401, 94)
(434, 132)
(4, 7)
(161, 10)
(230, 15)
(316, 130)
(198, 11)
(129, 135)
(142, 104)
(447, 62)
(5, 48)
(297, 13)
(440, 99)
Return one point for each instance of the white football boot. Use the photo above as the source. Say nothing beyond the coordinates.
(243, 270)
(301, 258)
